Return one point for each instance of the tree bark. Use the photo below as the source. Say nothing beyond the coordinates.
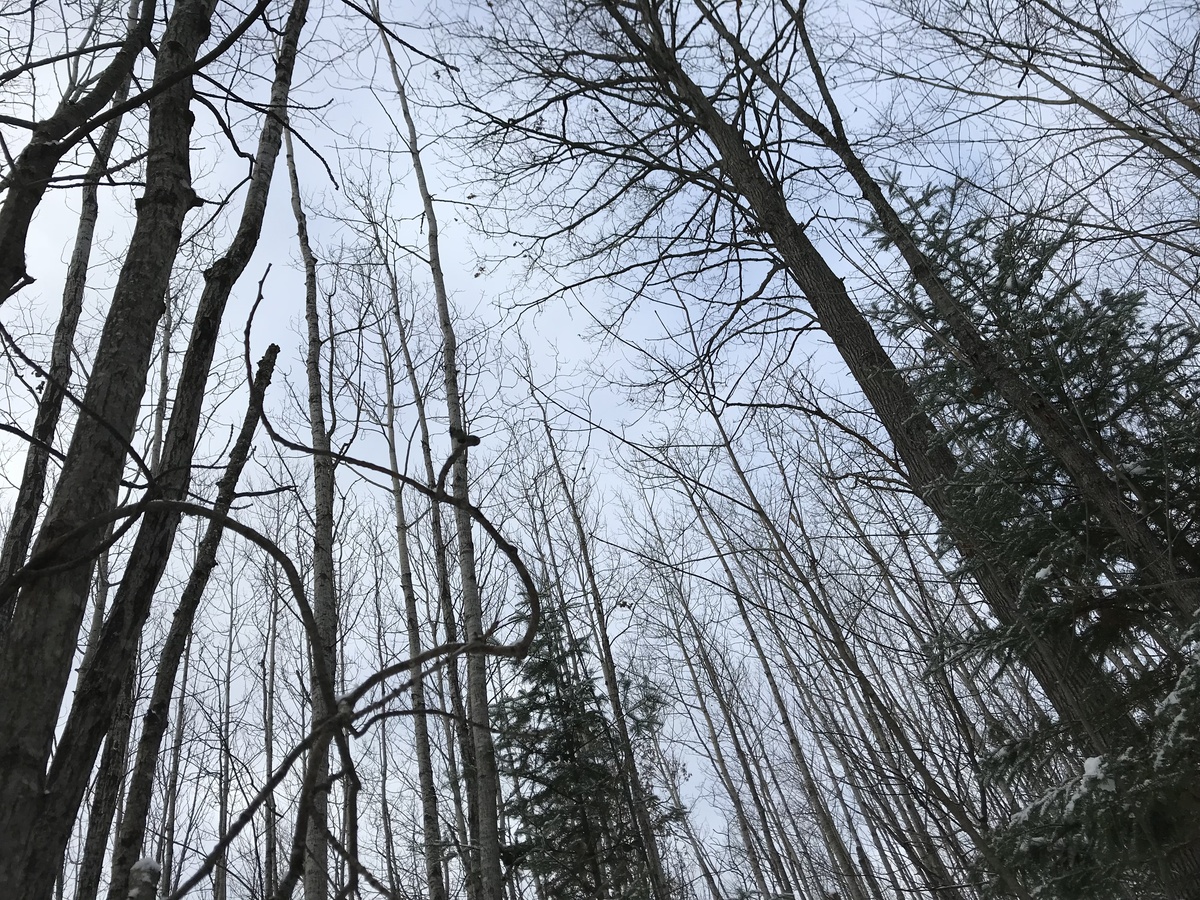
(38, 649)
(324, 599)
(487, 777)
(166, 838)
(109, 780)
(154, 727)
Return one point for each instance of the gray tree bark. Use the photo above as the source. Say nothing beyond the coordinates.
(38, 649)
(487, 778)
(109, 781)
(154, 723)
(324, 597)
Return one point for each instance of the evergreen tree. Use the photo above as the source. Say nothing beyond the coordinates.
(568, 812)
(1129, 382)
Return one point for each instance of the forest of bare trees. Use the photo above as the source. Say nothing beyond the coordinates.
(600, 450)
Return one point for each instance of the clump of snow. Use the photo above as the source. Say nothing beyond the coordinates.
(1093, 772)
(147, 867)
(143, 879)
(1172, 699)
(1043, 573)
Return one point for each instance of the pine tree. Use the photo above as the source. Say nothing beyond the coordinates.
(1129, 383)
(568, 811)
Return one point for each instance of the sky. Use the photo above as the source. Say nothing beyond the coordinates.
(351, 130)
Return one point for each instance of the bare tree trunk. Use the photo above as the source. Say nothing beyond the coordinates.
(141, 783)
(171, 788)
(109, 781)
(270, 810)
(462, 829)
(487, 778)
(224, 748)
(111, 776)
(430, 824)
(38, 648)
(390, 849)
(324, 599)
(106, 670)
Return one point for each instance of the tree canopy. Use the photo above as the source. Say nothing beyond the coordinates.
(615, 449)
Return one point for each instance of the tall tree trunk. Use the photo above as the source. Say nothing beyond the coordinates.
(1074, 683)
(225, 749)
(430, 824)
(109, 780)
(38, 649)
(324, 599)
(390, 850)
(270, 810)
(487, 778)
(166, 841)
(111, 777)
(141, 782)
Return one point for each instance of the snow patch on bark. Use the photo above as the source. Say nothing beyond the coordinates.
(143, 878)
